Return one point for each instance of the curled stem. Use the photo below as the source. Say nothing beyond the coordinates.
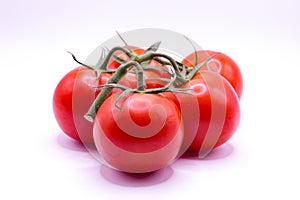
(154, 47)
(195, 51)
(112, 85)
(122, 70)
(167, 86)
(99, 62)
(164, 62)
(198, 66)
(75, 59)
(172, 62)
(122, 95)
(104, 65)
(150, 67)
(124, 41)
(180, 80)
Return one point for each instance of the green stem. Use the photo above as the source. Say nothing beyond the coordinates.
(163, 62)
(103, 66)
(124, 41)
(122, 70)
(75, 59)
(166, 87)
(140, 77)
(180, 80)
(198, 66)
(154, 47)
(172, 61)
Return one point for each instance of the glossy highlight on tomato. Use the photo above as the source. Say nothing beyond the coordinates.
(71, 99)
(144, 135)
(220, 63)
(218, 107)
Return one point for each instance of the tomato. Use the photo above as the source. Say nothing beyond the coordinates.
(144, 135)
(220, 63)
(211, 114)
(71, 100)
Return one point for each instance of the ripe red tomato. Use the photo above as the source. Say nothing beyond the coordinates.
(144, 135)
(71, 100)
(211, 115)
(220, 63)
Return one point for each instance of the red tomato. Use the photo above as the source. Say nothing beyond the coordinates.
(71, 100)
(143, 136)
(211, 115)
(220, 63)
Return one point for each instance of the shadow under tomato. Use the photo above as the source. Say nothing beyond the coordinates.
(218, 153)
(69, 143)
(135, 180)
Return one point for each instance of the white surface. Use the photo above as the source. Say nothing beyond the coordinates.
(260, 161)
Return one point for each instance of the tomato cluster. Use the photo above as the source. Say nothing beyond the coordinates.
(142, 109)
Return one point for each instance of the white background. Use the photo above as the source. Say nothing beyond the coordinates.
(260, 161)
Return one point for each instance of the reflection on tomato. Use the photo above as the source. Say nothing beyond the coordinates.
(144, 135)
(71, 99)
(220, 63)
(218, 111)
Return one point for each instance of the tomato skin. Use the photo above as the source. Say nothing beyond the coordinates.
(72, 96)
(220, 63)
(143, 136)
(218, 107)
